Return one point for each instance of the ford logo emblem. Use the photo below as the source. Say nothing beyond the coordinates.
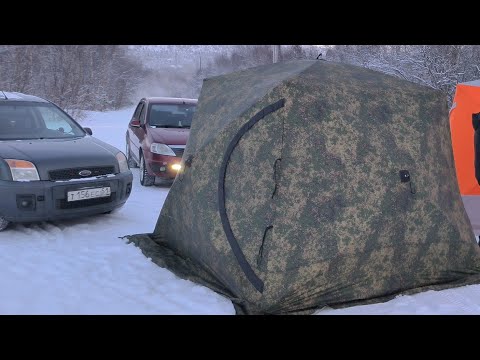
(85, 173)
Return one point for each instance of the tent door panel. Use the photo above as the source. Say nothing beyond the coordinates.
(236, 216)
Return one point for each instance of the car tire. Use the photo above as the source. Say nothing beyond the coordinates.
(145, 178)
(130, 160)
(3, 223)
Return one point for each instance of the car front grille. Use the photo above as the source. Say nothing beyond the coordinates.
(178, 151)
(69, 174)
(64, 204)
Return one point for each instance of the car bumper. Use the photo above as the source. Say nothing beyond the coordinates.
(161, 166)
(47, 200)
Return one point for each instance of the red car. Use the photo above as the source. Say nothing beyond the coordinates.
(157, 135)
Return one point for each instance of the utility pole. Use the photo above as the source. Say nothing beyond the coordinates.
(276, 53)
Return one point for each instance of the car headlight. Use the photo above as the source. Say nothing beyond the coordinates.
(22, 170)
(122, 162)
(161, 149)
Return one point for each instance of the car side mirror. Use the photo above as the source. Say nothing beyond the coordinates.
(135, 123)
(88, 130)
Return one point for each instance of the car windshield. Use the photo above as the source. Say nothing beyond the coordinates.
(31, 120)
(171, 115)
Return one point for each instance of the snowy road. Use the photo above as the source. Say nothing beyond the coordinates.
(84, 267)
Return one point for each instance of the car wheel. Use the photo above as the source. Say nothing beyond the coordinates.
(145, 179)
(3, 223)
(131, 162)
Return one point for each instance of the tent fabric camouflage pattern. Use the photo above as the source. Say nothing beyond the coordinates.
(291, 199)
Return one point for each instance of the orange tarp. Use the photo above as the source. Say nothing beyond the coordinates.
(465, 103)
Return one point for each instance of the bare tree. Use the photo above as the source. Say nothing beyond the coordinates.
(437, 66)
(76, 77)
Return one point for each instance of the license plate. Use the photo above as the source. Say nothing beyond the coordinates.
(86, 194)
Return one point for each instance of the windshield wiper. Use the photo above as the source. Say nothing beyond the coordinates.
(171, 126)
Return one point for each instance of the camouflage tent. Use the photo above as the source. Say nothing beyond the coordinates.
(311, 183)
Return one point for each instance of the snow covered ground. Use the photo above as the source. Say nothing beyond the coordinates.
(84, 267)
